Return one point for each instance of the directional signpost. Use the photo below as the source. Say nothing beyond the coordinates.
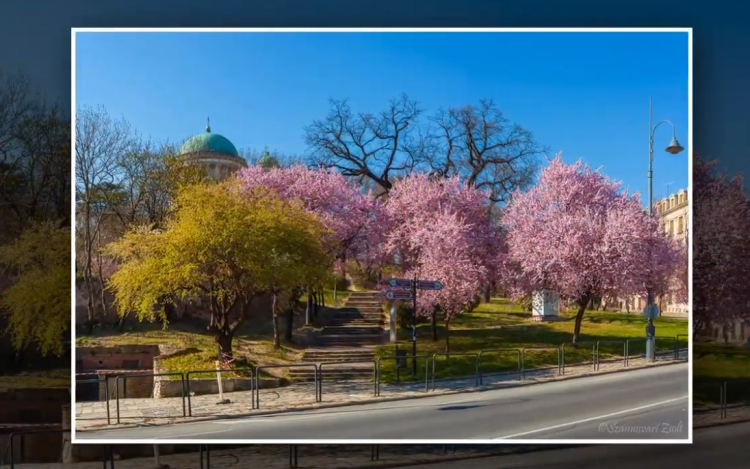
(404, 289)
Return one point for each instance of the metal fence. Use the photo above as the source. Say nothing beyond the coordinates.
(344, 362)
(148, 375)
(430, 375)
(258, 369)
(219, 371)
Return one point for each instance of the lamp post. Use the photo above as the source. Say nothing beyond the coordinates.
(652, 311)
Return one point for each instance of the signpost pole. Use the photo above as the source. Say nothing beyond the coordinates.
(414, 325)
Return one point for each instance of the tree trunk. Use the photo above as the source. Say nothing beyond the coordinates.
(288, 332)
(488, 294)
(322, 298)
(89, 301)
(582, 303)
(224, 339)
(275, 312)
(447, 340)
(123, 321)
(433, 320)
(309, 306)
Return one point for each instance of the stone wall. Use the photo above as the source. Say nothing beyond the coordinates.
(32, 405)
(125, 357)
(32, 409)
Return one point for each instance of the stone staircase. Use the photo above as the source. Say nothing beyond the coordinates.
(351, 336)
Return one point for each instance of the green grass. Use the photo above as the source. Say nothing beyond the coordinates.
(36, 379)
(502, 324)
(200, 348)
(714, 365)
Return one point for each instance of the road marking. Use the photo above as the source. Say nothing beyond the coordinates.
(627, 411)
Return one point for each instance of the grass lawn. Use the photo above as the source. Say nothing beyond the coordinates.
(502, 324)
(200, 349)
(36, 379)
(715, 364)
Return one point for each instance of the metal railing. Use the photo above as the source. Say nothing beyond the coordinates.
(148, 375)
(540, 347)
(314, 366)
(344, 362)
(457, 354)
(186, 381)
(379, 360)
(101, 379)
(592, 344)
(107, 454)
(499, 350)
(677, 346)
(597, 352)
(318, 369)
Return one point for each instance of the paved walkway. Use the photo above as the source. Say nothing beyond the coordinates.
(165, 411)
(308, 456)
(714, 417)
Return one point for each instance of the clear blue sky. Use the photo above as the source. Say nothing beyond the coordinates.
(585, 94)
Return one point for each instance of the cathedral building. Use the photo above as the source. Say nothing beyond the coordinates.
(215, 152)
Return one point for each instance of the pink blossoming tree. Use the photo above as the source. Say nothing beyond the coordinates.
(578, 235)
(355, 221)
(721, 247)
(441, 230)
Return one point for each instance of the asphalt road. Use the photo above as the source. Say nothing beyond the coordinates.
(640, 404)
(719, 447)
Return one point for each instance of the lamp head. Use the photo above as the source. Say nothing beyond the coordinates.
(674, 147)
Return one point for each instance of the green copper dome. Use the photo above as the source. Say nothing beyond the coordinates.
(208, 142)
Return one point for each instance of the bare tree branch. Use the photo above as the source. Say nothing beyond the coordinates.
(368, 146)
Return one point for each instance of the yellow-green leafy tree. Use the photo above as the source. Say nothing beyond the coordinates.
(223, 246)
(37, 303)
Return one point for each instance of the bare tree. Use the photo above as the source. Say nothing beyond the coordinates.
(367, 146)
(100, 143)
(482, 146)
(34, 158)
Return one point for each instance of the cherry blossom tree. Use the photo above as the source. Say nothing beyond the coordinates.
(355, 221)
(577, 234)
(721, 246)
(448, 254)
(441, 230)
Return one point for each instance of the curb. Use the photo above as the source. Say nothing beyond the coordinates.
(375, 400)
(468, 457)
(721, 423)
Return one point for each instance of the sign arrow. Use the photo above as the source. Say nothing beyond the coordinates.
(429, 285)
(398, 295)
(400, 283)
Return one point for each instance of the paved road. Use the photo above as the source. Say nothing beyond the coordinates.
(641, 404)
(719, 447)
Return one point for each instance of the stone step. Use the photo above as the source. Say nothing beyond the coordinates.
(336, 367)
(357, 323)
(348, 342)
(336, 360)
(339, 356)
(357, 311)
(350, 329)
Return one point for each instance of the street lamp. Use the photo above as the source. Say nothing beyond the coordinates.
(652, 311)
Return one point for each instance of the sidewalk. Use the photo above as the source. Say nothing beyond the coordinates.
(167, 411)
(308, 456)
(713, 417)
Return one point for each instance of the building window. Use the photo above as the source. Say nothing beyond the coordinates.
(671, 226)
(664, 206)
(680, 225)
(682, 198)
